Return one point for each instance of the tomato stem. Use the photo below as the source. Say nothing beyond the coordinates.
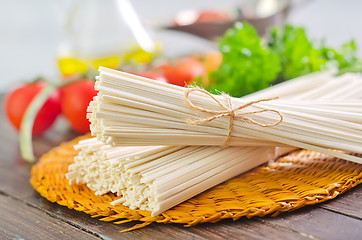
(26, 127)
(27, 122)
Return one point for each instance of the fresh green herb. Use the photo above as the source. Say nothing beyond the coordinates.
(247, 65)
(297, 55)
(345, 60)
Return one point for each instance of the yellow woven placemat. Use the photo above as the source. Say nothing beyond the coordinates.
(293, 181)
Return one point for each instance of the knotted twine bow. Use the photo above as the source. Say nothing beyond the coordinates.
(232, 112)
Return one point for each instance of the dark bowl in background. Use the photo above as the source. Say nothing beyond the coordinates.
(215, 29)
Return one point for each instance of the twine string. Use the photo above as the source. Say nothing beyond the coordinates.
(229, 111)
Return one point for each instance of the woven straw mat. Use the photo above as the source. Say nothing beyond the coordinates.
(293, 181)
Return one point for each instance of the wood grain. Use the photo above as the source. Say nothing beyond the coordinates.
(349, 204)
(316, 222)
(20, 221)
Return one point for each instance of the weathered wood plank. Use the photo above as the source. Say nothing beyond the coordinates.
(350, 203)
(319, 223)
(20, 221)
(244, 229)
(107, 229)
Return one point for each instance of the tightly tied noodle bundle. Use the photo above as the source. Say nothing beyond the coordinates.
(135, 111)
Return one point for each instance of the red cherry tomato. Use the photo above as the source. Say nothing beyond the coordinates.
(212, 16)
(17, 101)
(75, 100)
(183, 71)
(152, 75)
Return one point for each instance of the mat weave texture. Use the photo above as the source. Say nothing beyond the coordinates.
(298, 179)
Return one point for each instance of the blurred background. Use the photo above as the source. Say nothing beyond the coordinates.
(35, 34)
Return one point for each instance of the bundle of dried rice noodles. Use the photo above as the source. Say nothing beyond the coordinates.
(135, 111)
(156, 178)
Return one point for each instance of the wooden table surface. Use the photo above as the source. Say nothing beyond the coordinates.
(24, 214)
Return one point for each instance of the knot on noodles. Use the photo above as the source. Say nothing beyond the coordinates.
(229, 111)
